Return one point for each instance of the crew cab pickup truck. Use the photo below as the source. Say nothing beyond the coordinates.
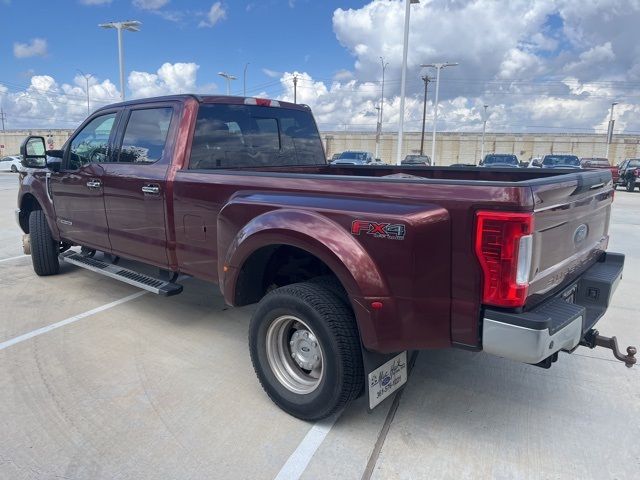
(629, 174)
(351, 266)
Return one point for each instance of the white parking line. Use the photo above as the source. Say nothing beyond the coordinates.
(297, 463)
(67, 321)
(12, 258)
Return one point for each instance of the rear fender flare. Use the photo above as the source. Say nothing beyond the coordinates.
(313, 233)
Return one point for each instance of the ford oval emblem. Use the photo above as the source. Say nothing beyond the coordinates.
(580, 234)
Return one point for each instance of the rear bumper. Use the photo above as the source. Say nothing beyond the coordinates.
(556, 324)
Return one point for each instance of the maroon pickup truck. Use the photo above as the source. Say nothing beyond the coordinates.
(351, 266)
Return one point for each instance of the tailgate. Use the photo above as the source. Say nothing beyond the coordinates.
(571, 224)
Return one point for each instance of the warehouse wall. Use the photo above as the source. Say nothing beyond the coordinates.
(450, 147)
(466, 147)
(10, 140)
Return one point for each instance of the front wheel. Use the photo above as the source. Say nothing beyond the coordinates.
(305, 350)
(14, 169)
(44, 249)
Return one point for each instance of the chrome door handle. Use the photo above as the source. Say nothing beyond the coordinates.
(153, 189)
(94, 184)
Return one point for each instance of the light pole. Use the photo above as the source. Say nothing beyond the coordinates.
(380, 108)
(403, 82)
(229, 77)
(244, 80)
(610, 130)
(132, 26)
(484, 128)
(426, 79)
(86, 77)
(438, 67)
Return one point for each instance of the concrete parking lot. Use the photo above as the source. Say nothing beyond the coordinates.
(136, 386)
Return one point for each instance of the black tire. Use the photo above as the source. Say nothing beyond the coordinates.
(44, 249)
(331, 283)
(631, 184)
(14, 169)
(332, 323)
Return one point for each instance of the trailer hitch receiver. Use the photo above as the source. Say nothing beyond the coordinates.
(593, 339)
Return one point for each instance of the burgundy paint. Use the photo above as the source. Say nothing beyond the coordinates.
(429, 284)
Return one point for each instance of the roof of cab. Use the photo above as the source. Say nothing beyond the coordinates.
(224, 99)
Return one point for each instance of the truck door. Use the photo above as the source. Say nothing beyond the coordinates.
(77, 189)
(135, 185)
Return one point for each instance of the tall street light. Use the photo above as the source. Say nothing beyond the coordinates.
(244, 80)
(132, 26)
(405, 48)
(610, 130)
(380, 108)
(229, 77)
(426, 79)
(438, 67)
(86, 77)
(484, 128)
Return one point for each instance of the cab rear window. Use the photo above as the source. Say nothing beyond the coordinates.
(242, 136)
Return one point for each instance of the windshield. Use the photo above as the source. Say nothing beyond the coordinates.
(416, 159)
(634, 163)
(503, 159)
(595, 162)
(353, 156)
(561, 161)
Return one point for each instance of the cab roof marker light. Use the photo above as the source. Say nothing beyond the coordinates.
(261, 102)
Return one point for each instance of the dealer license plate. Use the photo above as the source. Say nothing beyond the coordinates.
(387, 378)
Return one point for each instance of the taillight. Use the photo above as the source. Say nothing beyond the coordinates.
(504, 247)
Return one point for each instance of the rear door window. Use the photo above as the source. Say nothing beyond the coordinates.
(244, 136)
(145, 135)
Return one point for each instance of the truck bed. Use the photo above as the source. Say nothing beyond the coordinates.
(395, 173)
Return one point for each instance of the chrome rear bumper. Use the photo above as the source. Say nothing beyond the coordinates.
(555, 325)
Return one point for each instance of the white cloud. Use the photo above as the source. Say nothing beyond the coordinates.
(37, 47)
(94, 2)
(45, 103)
(271, 73)
(48, 103)
(150, 4)
(169, 79)
(216, 13)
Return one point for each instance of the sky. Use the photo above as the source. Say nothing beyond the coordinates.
(539, 65)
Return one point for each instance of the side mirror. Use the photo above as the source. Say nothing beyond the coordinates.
(33, 152)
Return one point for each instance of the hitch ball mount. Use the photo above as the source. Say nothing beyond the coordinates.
(593, 339)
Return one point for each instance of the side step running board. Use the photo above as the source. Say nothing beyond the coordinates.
(140, 280)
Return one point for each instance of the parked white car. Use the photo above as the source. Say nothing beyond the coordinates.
(11, 163)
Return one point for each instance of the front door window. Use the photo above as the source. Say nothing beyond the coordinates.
(91, 144)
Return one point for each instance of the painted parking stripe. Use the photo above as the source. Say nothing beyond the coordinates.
(67, 321)
(12, 258)
(297, 463)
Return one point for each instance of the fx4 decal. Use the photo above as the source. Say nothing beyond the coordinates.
(390, 231)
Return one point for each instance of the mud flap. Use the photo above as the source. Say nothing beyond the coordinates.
(385, 374)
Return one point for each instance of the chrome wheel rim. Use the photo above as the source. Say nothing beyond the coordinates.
(294, 354)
